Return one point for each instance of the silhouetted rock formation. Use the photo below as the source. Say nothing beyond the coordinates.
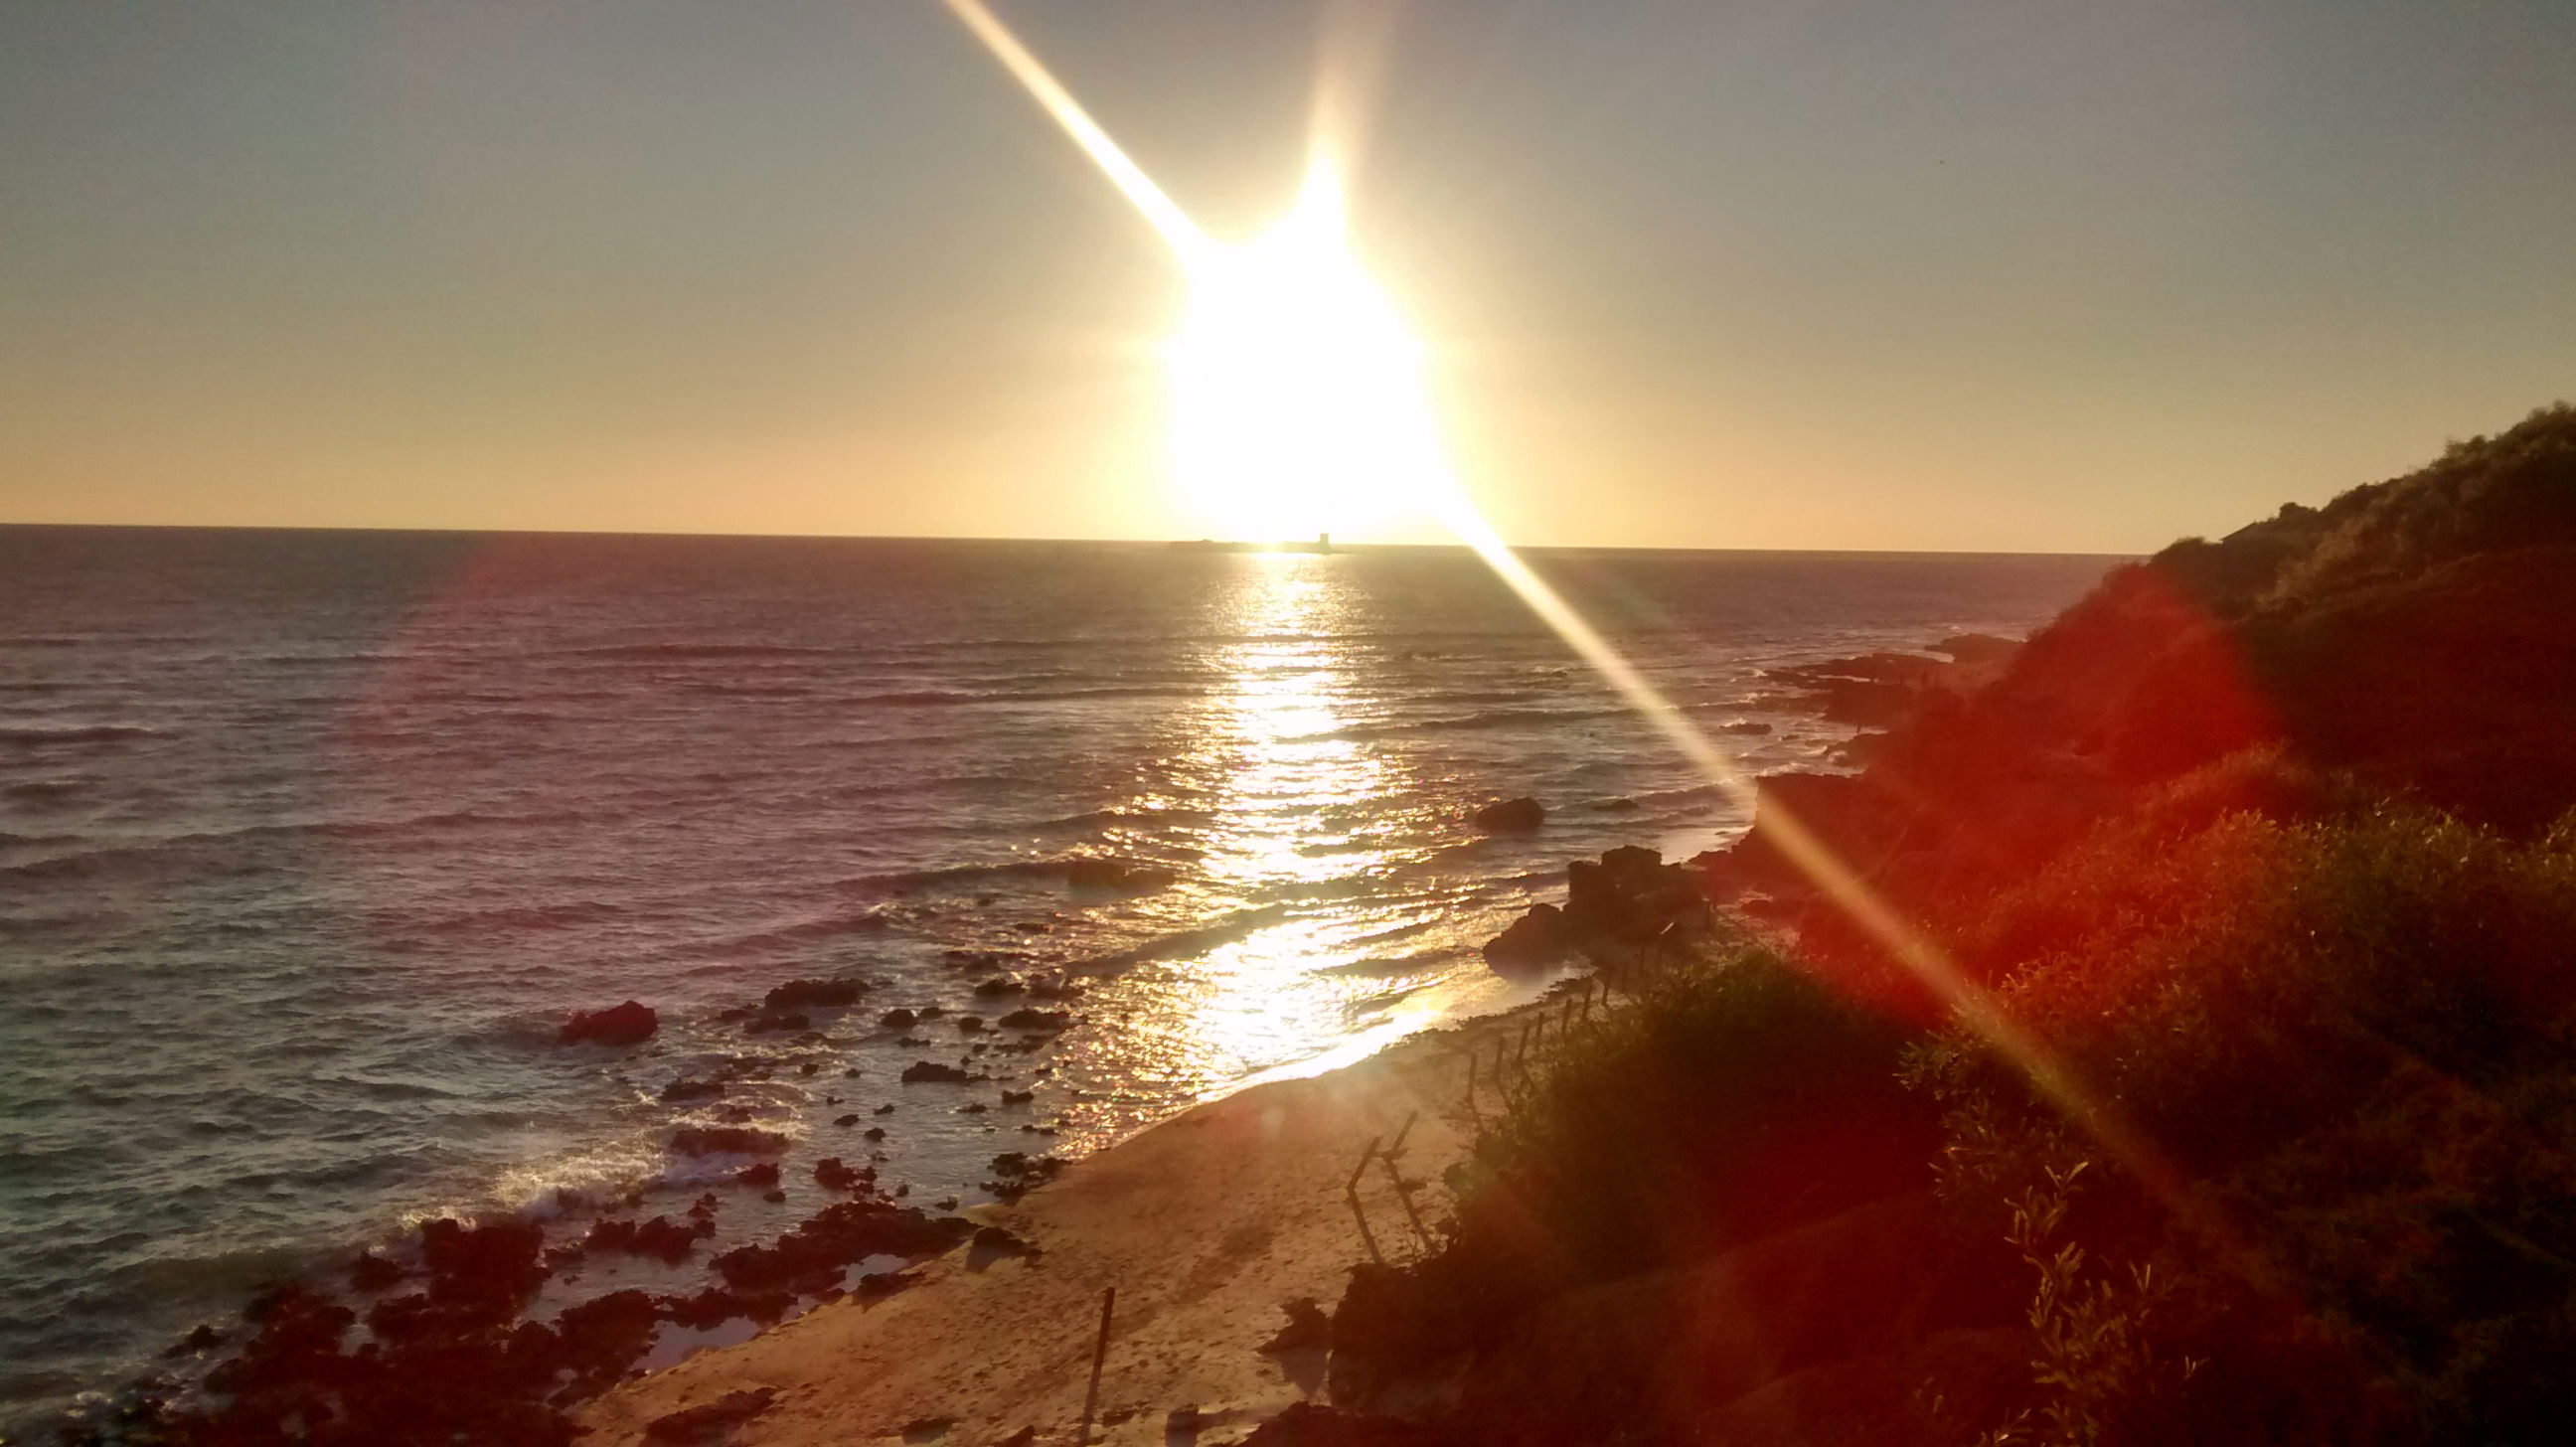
(628, 1024)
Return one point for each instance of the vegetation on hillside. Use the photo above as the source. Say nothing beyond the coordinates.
(2269, 848)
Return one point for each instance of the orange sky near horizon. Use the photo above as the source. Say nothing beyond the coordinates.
(1755, 275)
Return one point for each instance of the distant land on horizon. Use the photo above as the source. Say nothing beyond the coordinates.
(1185, 545)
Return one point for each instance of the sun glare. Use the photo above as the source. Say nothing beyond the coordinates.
(1299, 404)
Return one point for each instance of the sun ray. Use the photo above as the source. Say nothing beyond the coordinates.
(1294, 376)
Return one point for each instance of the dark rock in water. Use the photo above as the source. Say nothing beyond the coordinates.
(704, 1140)
(370, 1272)
(1018, 1097)
(1628, 896)
(1746, 727)
(599, 1339)
(1034, 1019)
(874, 1133)
(685, 1089)
(493, 1263)
(1511, 816)
(934, 1071)
(628, 1024)
(1537, 938)
(1117, 874)
(898, 1019)
(969, 1024)
(885, 1109)
(832, 1174)
(846, 1121)
(204, 1336)
(811, 1258)
(762, 1173)
(710, 1423)
(665, 1238)
(814, 995)
(1001, 985)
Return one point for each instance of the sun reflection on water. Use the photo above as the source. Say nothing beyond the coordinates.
(1311, 863)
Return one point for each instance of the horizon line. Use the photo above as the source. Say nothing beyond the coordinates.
(1217, 544)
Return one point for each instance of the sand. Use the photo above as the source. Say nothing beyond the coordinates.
(1205, 1225)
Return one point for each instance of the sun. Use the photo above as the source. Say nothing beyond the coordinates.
(1299, 402)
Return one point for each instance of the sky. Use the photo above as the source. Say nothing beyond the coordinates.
(2022, 275)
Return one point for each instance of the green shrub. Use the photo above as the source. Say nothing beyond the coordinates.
(2349, 1041)
(1741, 1096)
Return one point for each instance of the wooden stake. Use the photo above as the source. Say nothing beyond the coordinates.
(1099, 1355)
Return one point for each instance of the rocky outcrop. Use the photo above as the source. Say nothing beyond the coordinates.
(1511, 816)
(1622, 901)
(631, 1023)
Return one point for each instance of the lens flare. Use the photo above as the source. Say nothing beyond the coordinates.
(1298, 389)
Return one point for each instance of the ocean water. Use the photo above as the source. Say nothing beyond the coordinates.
(309, 841)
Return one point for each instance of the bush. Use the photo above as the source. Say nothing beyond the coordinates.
(2348, 1041)
(1742, 1096)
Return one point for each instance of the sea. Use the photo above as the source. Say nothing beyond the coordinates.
(311, 841)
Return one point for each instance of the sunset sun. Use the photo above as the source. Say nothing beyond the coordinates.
(1298, 400)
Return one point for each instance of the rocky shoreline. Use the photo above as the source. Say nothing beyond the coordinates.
(379, 1353)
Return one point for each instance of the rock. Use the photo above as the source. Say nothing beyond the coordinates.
(776, 1023)
(833, 1175)
(619, 1025)
(935, 1072)
(969, 1024)
(814, 995)
(684, 1089)
(710, 1423)
(763, 1174)
(703, 1140)
(599, 1339)
(1511, 816)
(885, 1109)
(992, 1243)
(1309, 1329)
(1538, 937)
(1031, 1018)
(1018, 1097)
(846, 1121)
(1746, 727)
(874, 1133)
(371, 1272)
(811, 1258)
(898, 1019)
(1001, 985)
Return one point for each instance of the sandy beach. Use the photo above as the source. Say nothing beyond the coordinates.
(1205, 1225)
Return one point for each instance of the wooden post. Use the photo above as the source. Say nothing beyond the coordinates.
(1359, 1213)
(1099, 1355)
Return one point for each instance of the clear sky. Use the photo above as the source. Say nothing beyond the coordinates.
(2014, 274)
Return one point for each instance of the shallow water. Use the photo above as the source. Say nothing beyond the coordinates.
(308, 841)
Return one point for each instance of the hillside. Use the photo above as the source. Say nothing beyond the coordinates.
(2247, 1111)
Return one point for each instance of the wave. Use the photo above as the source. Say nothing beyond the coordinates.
(898, 881)
(866, 921)
(40, 734)
(508, 917)
(692, 651)
(1500, 718)
(1106, 818)
(1238, 925)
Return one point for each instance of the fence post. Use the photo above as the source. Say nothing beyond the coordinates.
(1099, 1355)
